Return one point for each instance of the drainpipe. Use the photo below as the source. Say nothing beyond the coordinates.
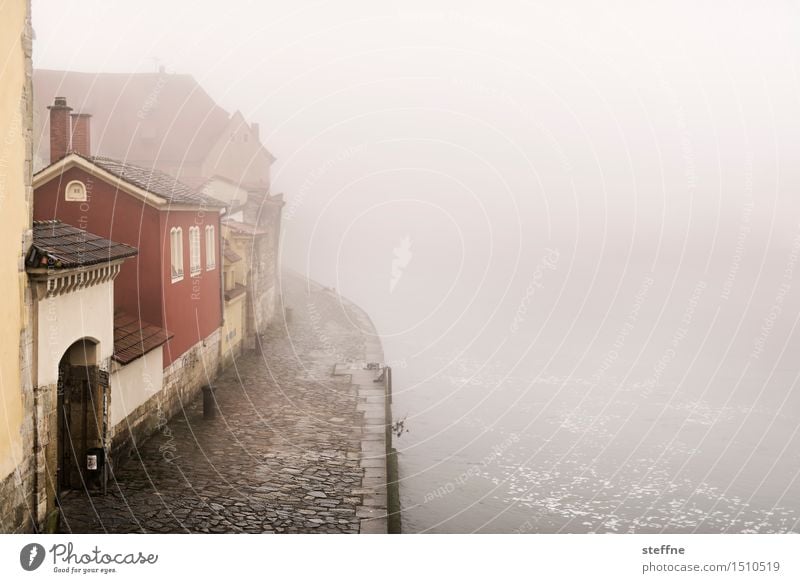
(221, 276)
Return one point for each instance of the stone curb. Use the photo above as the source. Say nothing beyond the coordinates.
(372, 512)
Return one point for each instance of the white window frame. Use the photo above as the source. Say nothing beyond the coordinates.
(211, 248)
(194, 251)
(176, 253)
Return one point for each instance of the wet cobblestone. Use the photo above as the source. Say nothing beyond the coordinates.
(281, 456)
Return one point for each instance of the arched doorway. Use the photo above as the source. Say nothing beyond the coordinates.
(81, 416)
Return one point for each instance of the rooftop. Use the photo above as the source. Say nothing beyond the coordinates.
(230, 255)
(243, 228)
(236, 291)
(159, 119)
(57, 245)
(134, 338)
(155, 181)
(137, 114)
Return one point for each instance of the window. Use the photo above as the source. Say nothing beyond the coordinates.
(194, 250)
(75, 192)
(176, 253)
(211, 248)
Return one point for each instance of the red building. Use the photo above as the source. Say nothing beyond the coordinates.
(175, 281)
(169, 122)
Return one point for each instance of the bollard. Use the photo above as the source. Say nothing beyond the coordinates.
(287, 314)
(209, 403)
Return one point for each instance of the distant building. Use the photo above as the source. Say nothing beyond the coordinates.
(174, 284)
(168, 122)
(17, 398)
(255, 267)
(235, 328)
(160, 120)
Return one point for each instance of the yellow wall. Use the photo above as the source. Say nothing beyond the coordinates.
(15, 217)
(241, 245)
(233, 328)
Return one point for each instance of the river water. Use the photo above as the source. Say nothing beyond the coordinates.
(670, 409)
(587, 391)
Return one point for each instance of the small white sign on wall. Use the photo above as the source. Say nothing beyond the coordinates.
(75, 191)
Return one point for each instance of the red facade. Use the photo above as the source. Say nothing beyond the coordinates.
(191, 309)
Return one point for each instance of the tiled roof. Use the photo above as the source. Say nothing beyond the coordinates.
(165, 120)
(244, 228)
(60, 246)
(234, 293)
(155, 181)
(134, 338)
(137, 115)
(230, 255)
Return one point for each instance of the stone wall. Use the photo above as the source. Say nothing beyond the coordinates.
(16, 499)
(16, 194)
(45, 451)
(263, 278)
(182, 381)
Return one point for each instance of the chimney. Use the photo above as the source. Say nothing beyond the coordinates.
(81, 133)
(254, 128)
(59, 129)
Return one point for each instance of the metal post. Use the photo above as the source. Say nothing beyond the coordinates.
(209, 402)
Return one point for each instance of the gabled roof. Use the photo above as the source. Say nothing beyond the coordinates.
(60, 246)
(155, 181)
(147, 184)
(134, 338)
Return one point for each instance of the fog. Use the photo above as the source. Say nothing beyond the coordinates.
(575, 227)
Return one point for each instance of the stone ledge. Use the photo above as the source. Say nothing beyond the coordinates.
(372, 403)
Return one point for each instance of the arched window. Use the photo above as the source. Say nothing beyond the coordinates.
(176, 253)
(194, 250)
(211, 248)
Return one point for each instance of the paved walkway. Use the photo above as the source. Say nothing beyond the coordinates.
(281, 456)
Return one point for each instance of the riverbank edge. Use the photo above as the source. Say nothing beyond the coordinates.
(379, 512)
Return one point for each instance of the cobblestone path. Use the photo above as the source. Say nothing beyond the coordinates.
(281, 456)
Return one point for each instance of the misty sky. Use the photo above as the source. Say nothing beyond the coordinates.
(640, 134)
